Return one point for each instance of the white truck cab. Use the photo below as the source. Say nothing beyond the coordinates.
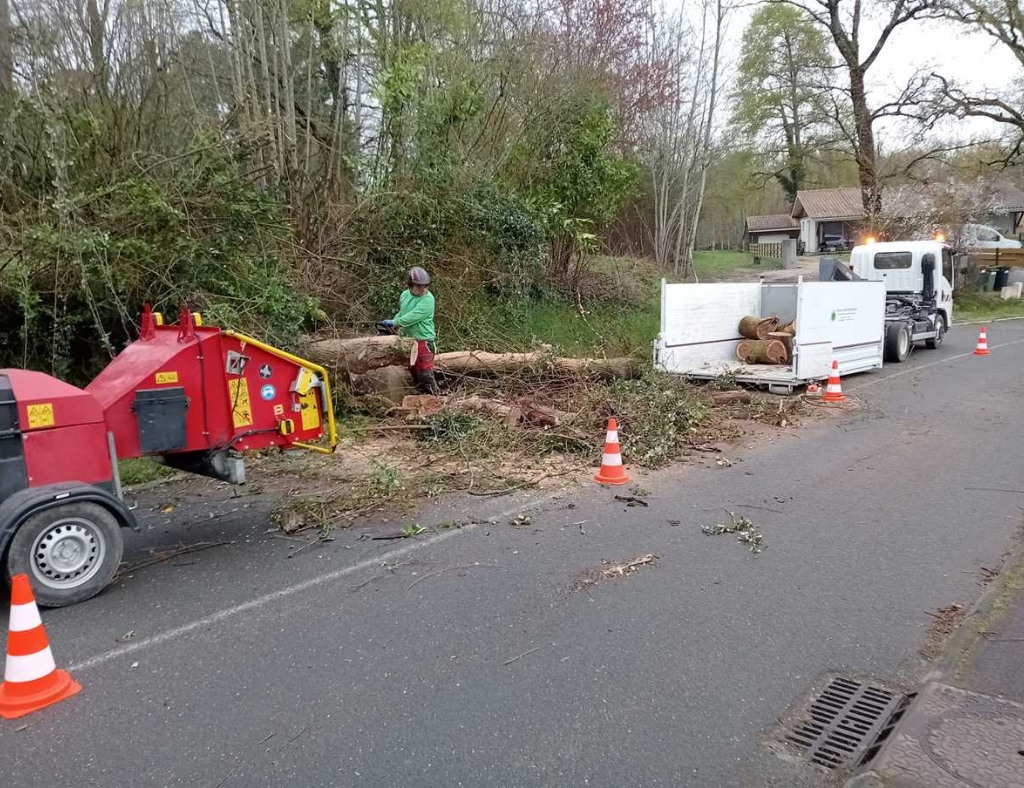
(918, 278)
(899, 265)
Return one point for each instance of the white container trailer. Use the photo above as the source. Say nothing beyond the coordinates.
(844, 321)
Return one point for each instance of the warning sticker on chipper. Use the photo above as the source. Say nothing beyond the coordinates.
(167, 377)
(241, 408)
(40, 415)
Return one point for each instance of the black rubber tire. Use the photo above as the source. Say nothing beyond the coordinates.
(103, 527)
(940, 320)
(897, 342)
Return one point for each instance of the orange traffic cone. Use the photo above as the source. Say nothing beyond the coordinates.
(612, 471)
(834, 391)
(31, 679)
(982, 348)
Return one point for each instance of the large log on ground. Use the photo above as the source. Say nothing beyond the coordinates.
(761, 351)
(477, 362)
(391, 383)
(754, 327)
(730, 398)
(360, 354)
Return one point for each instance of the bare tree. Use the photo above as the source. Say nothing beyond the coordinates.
(1003, 22)
(681, 142)
(843, 20)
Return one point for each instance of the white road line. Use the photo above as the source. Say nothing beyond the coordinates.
(261, 601)
(919, 367)
(305, 585)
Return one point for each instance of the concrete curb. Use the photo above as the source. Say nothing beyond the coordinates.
(946, 667)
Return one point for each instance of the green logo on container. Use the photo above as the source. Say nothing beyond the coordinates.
(833, 316)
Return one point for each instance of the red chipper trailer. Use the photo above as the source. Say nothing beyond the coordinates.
(192, 396)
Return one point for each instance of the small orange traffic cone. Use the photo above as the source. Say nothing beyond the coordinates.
(982, 348)
(612, 471)
(31, 679)
(834, 391)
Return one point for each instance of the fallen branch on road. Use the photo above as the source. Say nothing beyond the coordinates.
(167, 555)
(591, 577)
(449, 569)
(520, 656)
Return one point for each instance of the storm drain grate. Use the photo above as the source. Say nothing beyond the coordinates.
(847, 723)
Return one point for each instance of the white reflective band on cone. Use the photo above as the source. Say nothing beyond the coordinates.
(24, 617)
(612, 436)
(30, 667)
(611, 459)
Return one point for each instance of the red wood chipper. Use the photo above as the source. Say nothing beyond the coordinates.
(192, 396)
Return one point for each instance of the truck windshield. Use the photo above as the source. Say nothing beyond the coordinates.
(887, 261)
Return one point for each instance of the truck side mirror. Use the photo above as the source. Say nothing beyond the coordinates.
(928, 271)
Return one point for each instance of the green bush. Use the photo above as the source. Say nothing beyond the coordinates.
(81, 270)
(656, 413)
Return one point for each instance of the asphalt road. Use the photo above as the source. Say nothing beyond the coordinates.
(472, 662)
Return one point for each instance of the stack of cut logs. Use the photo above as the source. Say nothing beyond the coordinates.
(766, 341)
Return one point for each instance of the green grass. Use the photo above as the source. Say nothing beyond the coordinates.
(621, 316)
(716, 266)
(985, 306)
(142, 470)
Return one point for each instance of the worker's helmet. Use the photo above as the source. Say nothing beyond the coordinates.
(418, 276)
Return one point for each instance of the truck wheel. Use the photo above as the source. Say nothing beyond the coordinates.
(69, 552)
(897, 342)
(940, 327)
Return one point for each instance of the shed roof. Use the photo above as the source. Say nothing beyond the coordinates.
(841, 203)
(774, 221)
(902, 201)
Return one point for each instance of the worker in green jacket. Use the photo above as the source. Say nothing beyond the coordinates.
(415, 319)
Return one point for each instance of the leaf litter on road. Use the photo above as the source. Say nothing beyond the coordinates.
(747, 532)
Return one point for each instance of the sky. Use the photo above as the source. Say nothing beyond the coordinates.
(944, 47)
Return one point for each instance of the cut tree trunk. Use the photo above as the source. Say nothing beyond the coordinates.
(754, 327)
(477, 362)
(360, 354)
(761, 351)
(730, 397)
(392, 383)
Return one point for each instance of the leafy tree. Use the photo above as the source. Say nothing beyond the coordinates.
(577, 182)
(784, 73)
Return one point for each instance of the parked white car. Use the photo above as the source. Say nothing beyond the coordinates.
(981, 236)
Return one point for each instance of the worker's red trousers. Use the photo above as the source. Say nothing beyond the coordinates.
(422, 357)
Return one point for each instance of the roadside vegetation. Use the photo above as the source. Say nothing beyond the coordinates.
(985, 306)
(142, 471)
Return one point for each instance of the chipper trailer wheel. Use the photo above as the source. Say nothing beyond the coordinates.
(70, 552)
